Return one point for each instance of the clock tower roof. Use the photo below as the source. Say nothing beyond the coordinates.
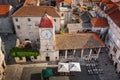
(46, 22)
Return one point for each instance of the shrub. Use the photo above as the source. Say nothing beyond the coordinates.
(89, 8)
(62, 31)
(17, 52)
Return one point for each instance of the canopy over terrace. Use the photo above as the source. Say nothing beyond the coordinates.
(79, 41)
(69, 67)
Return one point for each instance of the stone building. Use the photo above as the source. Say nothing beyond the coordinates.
(100, 26)
(64, 7)
(81, 45)
(111, 11)
(66, 46)
(27, 18)
(47, 39)
(2, 61)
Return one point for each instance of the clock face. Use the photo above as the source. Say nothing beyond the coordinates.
(46, 34)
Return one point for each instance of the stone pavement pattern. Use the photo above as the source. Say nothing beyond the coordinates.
(108, 67)
(14, 72)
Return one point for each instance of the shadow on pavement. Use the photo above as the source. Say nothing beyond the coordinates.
(36, 76)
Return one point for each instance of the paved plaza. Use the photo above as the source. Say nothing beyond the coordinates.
(33, 71)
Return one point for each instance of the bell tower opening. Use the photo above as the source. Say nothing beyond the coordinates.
(47, 58)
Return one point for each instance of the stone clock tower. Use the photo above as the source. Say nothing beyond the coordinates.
(47, 39)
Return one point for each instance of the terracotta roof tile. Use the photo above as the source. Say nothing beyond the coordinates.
(36, 11)
(59, 1)
(4, 9)
(115, 16)
(110, 5)
(68, 1)
(106, 1)
(96, 1)
(112, 9)
(77, 41)
(117, 3)
(99, 22)
(46, 22)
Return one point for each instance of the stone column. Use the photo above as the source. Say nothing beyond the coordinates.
(82, 51)
(98, 52)
(90, 53)
(65, 54)
(74, 52)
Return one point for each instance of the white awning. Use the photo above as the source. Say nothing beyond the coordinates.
(63, 67)
(67, 67)
(74, 66)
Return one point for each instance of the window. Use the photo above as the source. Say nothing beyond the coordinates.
(37, 39)
(29, 19)
(62, 4)
(16, 19)
(114, 49)
(18, 26)
(26, 39)
(55, 20)
(62, 14)
(119, 58)
(107, 37)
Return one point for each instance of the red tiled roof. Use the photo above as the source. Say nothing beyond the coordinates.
(112, 9)
(117, 3)
(46, 22)
(115, 16)
(96, 1)
(99, 22)
(106, 1)
(110, 5)
(36, 11)
(4, 9)
(59, 1)
(77, 41)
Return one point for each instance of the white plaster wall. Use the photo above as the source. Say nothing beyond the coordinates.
(118, 67)
(47, 43)
(2, 60)
(57, 24)
(49, 47)
(28, 29)
(117, 54)
(51, 54)
(67, 14)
